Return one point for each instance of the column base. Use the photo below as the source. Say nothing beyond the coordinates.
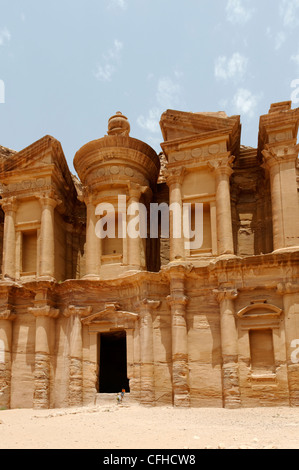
(231, 388)
(5, 374)
(42, 382)
(181, 401)
(76, 383)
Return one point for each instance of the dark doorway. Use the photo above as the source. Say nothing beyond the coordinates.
(113, 363)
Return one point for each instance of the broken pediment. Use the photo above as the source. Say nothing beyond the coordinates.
(36, 168)
(110, 317)
(182, 125)
(39, 154)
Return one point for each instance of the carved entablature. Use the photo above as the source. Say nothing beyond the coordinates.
(197, 153)
(110, 318)
(39, 168)
(27, 186)
(284, 288)
(260, 315)
(117, 172)
(115, 159)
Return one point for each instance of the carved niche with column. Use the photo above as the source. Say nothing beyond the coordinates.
(200, 151)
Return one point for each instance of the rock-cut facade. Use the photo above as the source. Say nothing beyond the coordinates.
(170, 323)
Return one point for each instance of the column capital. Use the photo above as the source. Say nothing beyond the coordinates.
(7, 315)
(73, 310)
(9, 204)
(175, 176)
(177, 300)
(225, 294)
(44, 311)
(135, 190)
(148, 305)
(287, 288)
(275, 155)
(88, 199)
(49, 199)
(222, 165)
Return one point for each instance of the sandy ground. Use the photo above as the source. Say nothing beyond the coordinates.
(136, 427)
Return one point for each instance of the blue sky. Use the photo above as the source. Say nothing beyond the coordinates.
(68, 65)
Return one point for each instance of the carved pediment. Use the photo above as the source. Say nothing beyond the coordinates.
(111, 317)
(180, 125)
(36, 155)
(260, 310)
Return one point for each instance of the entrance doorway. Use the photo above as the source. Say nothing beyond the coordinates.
(113, 363)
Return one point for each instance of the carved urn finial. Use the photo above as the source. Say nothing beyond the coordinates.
(118, 125)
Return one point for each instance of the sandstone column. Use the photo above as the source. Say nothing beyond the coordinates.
(174, 182)
(223, 172)
(229, 347)
(47, 239)
(134, 245)
(9, 207)
(284, 196)
(6, 319)
(93, 243)
(290, 293)
(45, 315)
(180, 366)
(76, 353)
(147, 372)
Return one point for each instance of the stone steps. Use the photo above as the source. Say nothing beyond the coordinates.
(110, 399)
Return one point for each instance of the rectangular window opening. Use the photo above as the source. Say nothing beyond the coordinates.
(29, 252)
(262, 351)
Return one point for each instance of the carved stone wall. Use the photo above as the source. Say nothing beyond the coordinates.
(216, 326)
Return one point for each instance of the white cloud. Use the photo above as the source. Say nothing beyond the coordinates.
(235, 67)
(289, 13)
(244, 102)
(4, 36)
(279, 40)
(118, 3)
(151, 122)
(105, 71)
(168, 95)
(114, 52)
(295, 58)
(237, 12)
